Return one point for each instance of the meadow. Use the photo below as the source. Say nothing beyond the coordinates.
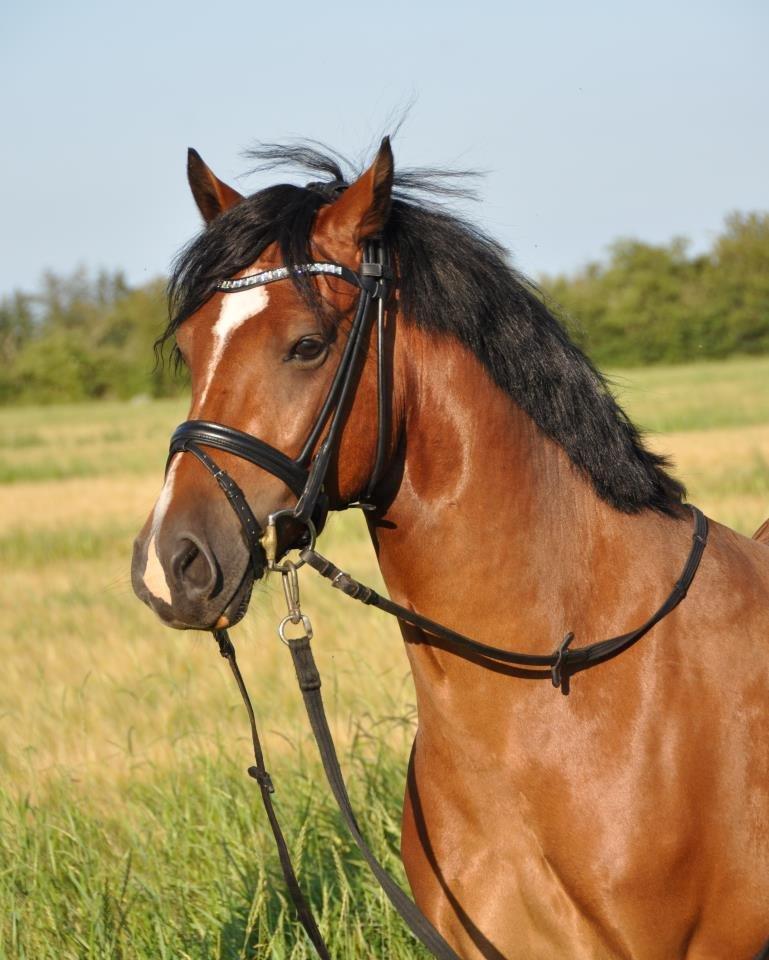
(128, 827)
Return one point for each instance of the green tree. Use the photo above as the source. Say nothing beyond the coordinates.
(656, 303)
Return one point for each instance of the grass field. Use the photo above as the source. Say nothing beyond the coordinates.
(127, 825)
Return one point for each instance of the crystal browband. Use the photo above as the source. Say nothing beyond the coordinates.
(279, 273)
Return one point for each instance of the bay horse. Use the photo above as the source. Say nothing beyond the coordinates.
(513, 500)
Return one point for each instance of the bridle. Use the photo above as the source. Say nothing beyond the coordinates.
(305, 475)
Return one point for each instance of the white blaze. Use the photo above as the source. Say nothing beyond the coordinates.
(235, 310)
(154, 574)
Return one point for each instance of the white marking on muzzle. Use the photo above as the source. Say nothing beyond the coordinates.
(235, 310)
(154, 576)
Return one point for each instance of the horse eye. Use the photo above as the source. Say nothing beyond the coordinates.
(308, 348)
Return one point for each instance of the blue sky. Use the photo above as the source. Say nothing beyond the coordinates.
(593, 120)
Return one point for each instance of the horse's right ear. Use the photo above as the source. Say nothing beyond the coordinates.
(212, 195)
(361, 212)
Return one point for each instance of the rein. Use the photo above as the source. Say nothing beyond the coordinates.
(305, 476)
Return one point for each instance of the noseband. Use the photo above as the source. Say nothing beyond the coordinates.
(305, 474)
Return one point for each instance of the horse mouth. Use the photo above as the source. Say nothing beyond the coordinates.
(238, 605)
(222, 608)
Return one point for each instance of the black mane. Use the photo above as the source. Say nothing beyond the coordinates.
(452, 279)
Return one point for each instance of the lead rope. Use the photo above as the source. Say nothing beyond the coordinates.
(309, 683)
(266, 789)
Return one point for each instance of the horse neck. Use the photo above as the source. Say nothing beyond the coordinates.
(493, 532)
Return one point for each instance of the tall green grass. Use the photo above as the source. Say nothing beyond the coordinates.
(183, 867)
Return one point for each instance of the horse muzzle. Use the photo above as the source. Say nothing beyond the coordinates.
(192, 581)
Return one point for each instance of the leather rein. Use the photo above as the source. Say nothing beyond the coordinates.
(305, 476)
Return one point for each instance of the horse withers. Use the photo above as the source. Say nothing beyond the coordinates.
(514, 502)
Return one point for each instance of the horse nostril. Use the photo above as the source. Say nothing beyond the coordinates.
(187, 558)
(194, 570)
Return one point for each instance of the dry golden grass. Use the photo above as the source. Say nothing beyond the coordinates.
(61, 504)
(93, 687)
(726, 472)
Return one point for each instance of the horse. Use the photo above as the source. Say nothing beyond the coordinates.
(513, 500)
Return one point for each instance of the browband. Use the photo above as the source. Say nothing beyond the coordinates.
(366, 279)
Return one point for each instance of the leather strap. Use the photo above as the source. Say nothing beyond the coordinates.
(266, 789)
(560, 664)
(242, 445)
(238, 502)
(309, 683)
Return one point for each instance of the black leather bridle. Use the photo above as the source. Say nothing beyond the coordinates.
(305, 476)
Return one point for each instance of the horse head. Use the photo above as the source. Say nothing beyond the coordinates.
(282, 355)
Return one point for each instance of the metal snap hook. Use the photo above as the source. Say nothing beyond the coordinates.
(302, 620)
(290, 583)
(294, 616)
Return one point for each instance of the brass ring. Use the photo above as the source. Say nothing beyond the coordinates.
(310, 527)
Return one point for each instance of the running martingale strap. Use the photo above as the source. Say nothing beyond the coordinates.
(560, 664)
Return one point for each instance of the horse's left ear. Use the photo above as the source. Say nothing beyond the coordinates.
(362, 210)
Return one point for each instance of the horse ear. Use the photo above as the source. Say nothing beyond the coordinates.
(362, 210)
(211, 195)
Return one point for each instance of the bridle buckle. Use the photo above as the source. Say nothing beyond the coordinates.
(269, 540)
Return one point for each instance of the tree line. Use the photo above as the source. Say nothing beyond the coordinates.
(648, 304)
(82, 337)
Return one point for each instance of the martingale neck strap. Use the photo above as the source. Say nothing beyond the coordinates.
(559, 665)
